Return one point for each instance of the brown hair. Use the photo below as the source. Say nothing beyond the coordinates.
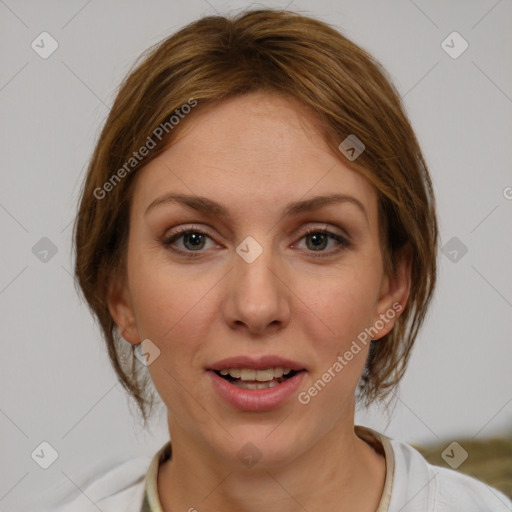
(215, 58)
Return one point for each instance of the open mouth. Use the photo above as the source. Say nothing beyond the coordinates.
(249, 381)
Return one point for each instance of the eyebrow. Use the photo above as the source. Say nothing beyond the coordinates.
(207, 206)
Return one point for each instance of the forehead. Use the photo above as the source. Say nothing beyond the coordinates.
(256, 150)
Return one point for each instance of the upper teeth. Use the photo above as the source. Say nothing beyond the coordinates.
(252, 374)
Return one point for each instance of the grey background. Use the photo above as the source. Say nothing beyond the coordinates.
(57, 385)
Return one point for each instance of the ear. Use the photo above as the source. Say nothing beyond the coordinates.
(394, 293)
(120, 307)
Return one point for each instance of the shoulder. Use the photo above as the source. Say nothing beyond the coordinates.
(120, 488)
(457, 491)
(419, 485)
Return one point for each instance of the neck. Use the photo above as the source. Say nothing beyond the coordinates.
(339, 472)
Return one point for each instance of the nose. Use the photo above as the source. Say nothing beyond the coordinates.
(258, 299)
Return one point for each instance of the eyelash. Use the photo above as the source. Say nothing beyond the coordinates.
(342, 241)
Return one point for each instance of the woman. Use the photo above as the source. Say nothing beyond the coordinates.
(257, 231)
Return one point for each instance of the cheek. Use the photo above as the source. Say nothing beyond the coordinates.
(345, 302)
(345, 305)
(172, 306)
(176, 313)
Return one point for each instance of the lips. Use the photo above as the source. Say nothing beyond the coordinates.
(257, 363)
(248, 395)
(256, 400)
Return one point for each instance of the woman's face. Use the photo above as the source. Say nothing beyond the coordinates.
(248, 282)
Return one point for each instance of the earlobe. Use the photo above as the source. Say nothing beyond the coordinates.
(119, 306)
(394, 292)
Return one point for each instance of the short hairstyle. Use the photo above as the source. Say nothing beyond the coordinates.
(217, 58)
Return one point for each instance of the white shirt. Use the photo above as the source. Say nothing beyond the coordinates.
(411, 485)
